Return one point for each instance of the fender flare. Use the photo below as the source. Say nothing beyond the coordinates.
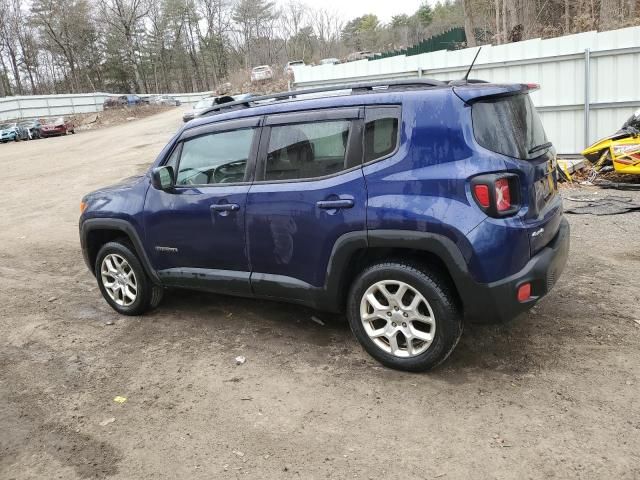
(444, 248)
(123, 226)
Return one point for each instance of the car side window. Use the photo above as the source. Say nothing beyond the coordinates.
(380, 132)
(215, 158)
(307, 150)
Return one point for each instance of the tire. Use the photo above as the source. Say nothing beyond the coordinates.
(146, 294)
(436, 305)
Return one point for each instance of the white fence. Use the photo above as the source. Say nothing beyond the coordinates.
(39, 106)
(590, 81)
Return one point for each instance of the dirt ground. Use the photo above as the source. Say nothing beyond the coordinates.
(116, 116)
(555, 394)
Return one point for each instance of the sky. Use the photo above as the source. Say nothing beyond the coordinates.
(349, 9)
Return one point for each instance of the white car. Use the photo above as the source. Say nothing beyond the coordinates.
(164, 100)
(329, 61)
(261, 73)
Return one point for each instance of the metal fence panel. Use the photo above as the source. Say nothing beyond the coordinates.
(41, 106)
(557, 64)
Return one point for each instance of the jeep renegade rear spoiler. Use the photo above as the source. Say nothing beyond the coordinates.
(473, 92)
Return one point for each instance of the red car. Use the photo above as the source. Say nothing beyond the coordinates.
(57, 126)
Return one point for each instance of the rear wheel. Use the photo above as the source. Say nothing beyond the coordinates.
(404, 316)
(123, 282)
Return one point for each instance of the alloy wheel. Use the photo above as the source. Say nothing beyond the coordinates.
(119, 279)
(397, 318)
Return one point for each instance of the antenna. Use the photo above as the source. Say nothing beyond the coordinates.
(466, 77)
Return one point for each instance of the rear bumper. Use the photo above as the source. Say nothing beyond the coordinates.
(497, 301)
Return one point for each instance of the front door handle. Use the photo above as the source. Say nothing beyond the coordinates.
(225, 207)
(334, 204)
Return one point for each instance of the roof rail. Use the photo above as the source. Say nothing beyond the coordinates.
(354, 87)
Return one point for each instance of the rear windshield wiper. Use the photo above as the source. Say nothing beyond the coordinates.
(544, 146)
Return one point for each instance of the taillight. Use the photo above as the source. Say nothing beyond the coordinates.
(498, 195)
(503, 195)
(481, 193)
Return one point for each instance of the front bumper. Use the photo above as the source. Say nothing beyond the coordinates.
(51, 133)
(497, 301)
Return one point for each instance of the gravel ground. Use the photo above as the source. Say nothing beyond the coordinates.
(554, 394)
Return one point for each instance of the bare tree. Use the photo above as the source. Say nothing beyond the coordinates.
(469, 27)
(124, 17)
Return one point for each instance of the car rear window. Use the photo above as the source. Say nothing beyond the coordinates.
(510, 126)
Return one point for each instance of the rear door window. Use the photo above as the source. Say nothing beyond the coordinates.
(510, 126)
(307, 150)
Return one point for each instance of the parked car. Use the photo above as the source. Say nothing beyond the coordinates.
(329, 61)
(122, 101)
(12, 132)
(261, 73)
(32, 127)
(57, 126)
(413, 209)
(164, 100)
(113, 102)
(207, 103)
(288, 68)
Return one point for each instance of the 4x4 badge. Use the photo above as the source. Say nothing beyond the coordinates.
(537, 232)
(167, 249)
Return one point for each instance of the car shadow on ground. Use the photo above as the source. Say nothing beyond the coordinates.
(498, 347)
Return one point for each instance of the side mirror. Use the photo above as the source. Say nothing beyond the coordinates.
(162, 178)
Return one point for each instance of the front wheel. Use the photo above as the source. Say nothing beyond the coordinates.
(404, 316)
(123, 282)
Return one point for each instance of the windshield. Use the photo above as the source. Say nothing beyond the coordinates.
(510, 126)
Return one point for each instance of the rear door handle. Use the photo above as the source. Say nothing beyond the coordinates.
(334, 204)
(225, 207)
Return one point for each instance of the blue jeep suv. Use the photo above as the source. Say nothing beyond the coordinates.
(412, 206)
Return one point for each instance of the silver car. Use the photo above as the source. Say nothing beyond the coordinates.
(261, 73)
(207, 103)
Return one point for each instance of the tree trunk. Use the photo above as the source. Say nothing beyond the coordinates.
(528, 11)
(14, 68)
(609, 14)
(469, 28)
(498, 34)
(504, 21)
(567, 17)
(5, 86)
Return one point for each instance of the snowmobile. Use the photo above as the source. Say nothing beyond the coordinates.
(620, 150)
